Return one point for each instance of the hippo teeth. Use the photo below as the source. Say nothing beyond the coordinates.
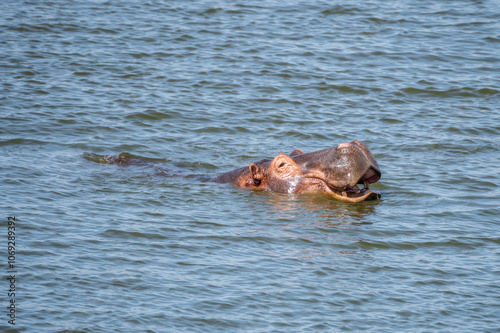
(352, 189)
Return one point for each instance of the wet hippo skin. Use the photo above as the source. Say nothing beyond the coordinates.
(335, 171)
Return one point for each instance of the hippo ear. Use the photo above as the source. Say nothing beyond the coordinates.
(296, 152)
(284, 166)
(257, 174)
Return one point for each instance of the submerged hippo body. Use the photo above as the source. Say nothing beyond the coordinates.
(335, 171)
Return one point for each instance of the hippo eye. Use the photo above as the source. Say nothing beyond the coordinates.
(282, 165)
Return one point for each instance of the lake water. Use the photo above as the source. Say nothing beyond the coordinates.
(203, 87)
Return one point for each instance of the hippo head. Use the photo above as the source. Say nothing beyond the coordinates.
(336, 171)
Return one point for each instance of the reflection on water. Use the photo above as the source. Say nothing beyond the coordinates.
(311, 253)
(307, 220)
(319, 206)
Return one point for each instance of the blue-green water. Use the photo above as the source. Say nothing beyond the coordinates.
(209, 86)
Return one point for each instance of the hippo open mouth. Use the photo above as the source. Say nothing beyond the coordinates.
(340, 170)
(360, 191)
(356, 194)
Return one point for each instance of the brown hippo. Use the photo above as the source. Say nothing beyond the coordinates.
(335, 171)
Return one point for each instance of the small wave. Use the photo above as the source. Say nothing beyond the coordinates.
(492, 39)
(461, 243)
(43, 27)
(114, 233)
(151, 114)
(344, 89)
(21, 141)
(221, 129)
(455, 92)
(53, 27)
(341, 9)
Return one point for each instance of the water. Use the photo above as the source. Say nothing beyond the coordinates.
(203, 87)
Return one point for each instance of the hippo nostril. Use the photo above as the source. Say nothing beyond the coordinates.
(370, 177)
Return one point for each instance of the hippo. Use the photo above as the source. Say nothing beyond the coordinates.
(336, 172)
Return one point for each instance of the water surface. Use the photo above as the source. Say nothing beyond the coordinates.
(203, 87)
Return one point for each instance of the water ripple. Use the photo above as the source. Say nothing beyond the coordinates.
(202, 87)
